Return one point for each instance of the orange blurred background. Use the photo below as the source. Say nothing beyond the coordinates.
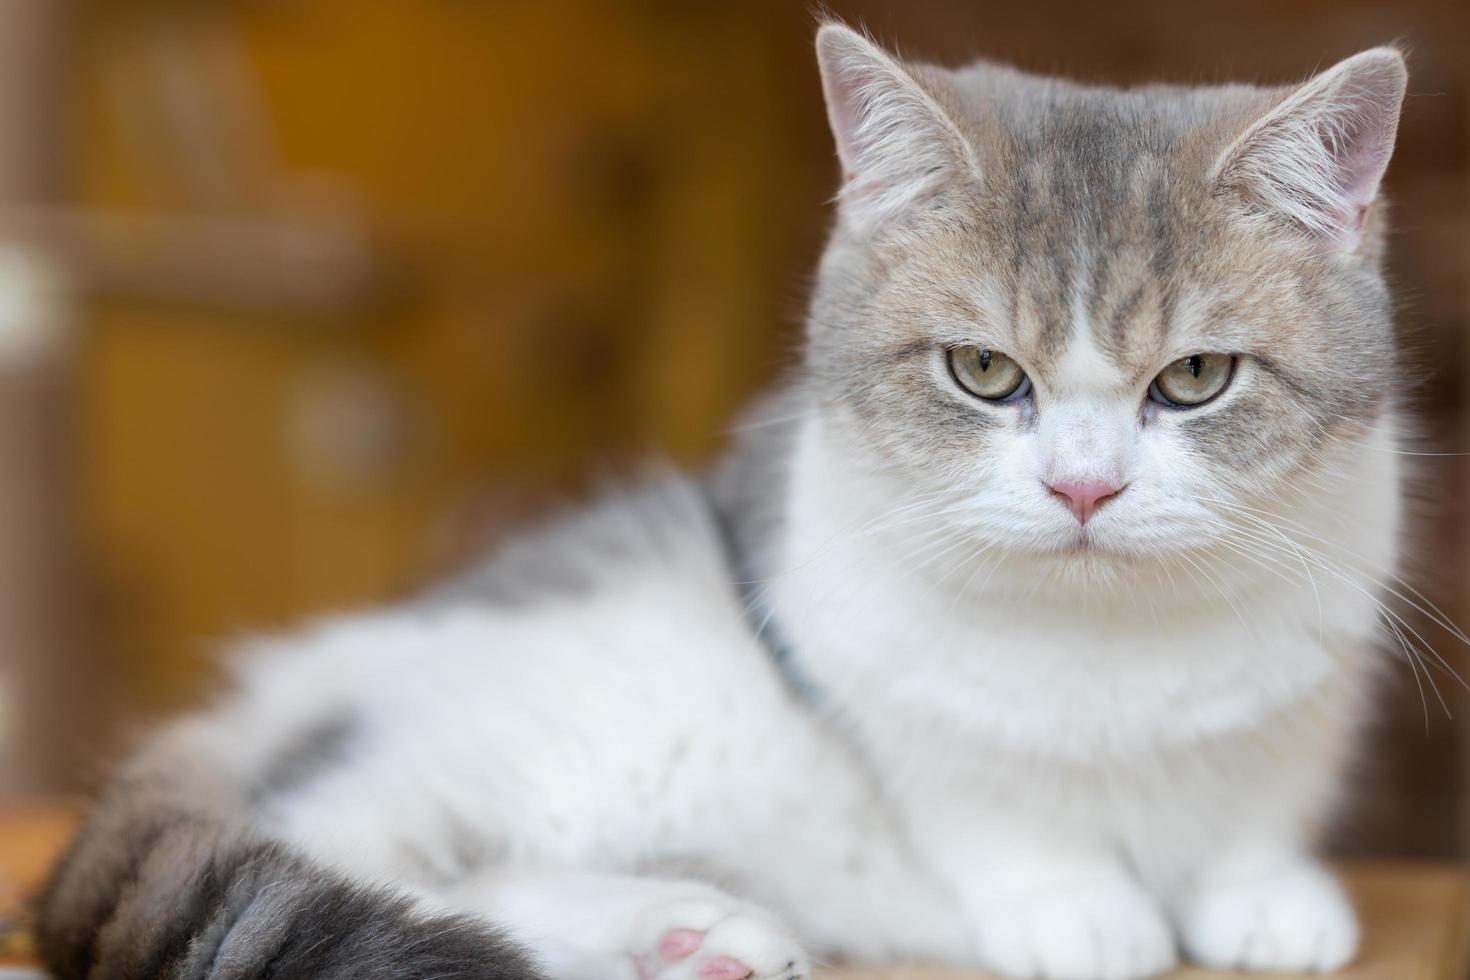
(316, 296)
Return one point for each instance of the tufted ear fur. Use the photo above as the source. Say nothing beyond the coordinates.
(895, 141)
(1314, 161)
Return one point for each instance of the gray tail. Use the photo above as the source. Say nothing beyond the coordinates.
(164, 884)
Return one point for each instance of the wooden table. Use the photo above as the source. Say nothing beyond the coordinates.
(1416, 917)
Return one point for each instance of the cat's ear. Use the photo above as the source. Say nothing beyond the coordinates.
(1315, 159)
(895, 142)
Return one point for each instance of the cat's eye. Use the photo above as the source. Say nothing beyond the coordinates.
(987, 373)
(1192, 380)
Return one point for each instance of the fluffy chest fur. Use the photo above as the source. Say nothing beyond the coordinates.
(943, 646)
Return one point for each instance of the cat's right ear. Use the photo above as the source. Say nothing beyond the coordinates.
(896, 143)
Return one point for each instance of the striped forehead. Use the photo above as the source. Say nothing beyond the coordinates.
(1092, 251)
(1111, 315)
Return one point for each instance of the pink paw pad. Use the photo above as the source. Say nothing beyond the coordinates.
(679, 943)
(724, 968)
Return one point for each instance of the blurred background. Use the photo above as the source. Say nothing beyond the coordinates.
(302, 302)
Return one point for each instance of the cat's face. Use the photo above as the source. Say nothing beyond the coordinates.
(1091, 322)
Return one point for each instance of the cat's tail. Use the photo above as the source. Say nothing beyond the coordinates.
(167, 881)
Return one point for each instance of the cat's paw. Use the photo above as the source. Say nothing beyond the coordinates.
(1109, 929)
(715, 939)
(1295, 920)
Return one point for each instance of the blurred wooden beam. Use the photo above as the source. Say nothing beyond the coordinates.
(265, 254)
(34, 574)
(308, 262)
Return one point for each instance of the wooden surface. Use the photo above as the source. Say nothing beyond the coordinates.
(29, 839)
(1415, 916)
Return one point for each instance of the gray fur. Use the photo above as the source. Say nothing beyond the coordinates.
(320, 748)
(167, 881)
(1105, 201)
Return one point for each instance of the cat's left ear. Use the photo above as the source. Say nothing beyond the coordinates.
(895, 141)
(1315, 160)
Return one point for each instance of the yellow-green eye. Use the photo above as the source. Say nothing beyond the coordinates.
(1192, 380)
(988, 374)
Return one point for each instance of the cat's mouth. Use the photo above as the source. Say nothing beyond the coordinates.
(1087, 544)
(1084, 544)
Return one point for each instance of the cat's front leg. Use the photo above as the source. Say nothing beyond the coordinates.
(1266, 910)
(1069, 921)
(1043, 905)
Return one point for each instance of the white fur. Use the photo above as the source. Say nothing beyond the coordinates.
(1043, 746)
(1048, 782)
(1050, 760)
(579, 741)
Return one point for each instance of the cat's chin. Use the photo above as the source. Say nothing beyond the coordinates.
(1120, 542)
(1084, 549)
(1089, 565)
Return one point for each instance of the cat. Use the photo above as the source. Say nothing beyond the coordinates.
(1028, 626)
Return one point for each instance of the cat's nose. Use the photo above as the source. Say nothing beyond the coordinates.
(1083, 496)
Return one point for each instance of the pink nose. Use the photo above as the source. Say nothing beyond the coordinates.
(1084, 497)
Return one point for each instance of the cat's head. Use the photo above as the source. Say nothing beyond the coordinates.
(1093, 321)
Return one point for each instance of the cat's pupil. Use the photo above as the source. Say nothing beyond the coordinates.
(1193, 363)
(985, 360)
